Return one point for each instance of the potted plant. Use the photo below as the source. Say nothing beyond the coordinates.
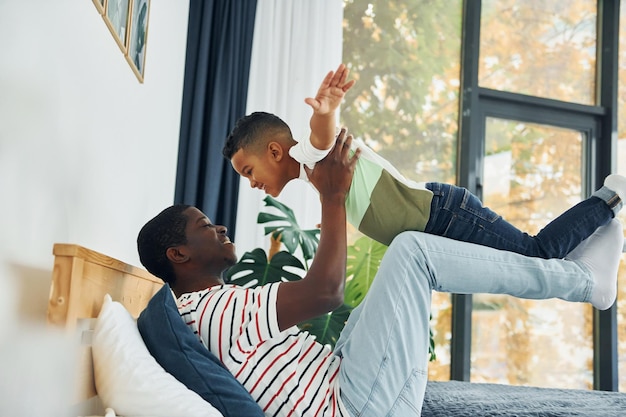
(258, 267)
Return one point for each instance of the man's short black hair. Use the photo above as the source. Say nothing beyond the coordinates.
(165, 230)
(250, 129)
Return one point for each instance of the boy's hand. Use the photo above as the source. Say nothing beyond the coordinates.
(332, 175)
(331, 92)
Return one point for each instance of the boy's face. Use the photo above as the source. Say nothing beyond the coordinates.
(264, 170)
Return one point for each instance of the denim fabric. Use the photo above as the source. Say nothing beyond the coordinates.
(458, 214)
(611, 198)
(384, 345)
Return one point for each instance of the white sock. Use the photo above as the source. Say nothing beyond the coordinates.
(601, 253)
(616, 183)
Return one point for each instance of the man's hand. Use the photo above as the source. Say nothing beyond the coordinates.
(332, 175)
(331, 92)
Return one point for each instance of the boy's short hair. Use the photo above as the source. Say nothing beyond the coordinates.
(250, 130)
(165, 230)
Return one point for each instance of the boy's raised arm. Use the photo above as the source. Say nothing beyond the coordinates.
(327, 100)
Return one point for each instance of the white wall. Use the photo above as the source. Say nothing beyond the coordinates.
(87, 153)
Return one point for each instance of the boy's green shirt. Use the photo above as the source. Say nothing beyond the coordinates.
(381, 202)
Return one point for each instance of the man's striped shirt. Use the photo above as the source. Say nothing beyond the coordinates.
(288, 373)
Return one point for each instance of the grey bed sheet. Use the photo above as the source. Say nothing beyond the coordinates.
(465, 399)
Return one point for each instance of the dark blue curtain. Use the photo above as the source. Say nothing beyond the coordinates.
(219, 45)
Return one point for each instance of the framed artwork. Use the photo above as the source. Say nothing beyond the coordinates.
(127, 21)
(117, 16)
(100, 5)
(136, 50)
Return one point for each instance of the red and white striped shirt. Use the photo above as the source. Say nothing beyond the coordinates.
(288, 373)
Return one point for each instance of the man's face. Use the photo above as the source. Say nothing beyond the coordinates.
(263, 171)
(208, 242)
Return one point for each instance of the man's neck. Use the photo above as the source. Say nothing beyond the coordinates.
(188, 285)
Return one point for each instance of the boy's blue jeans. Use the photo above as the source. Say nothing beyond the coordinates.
(458, 214)
(384, 345)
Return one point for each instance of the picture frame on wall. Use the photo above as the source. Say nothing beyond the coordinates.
(100, 5)
(136, 50)
(117, 16)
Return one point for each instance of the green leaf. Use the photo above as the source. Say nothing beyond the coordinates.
(271, 202)
(309, 242)
(269, 217)
(364, 257)
(253, 269)
(327, 327)
(291, 235)
(432, 355)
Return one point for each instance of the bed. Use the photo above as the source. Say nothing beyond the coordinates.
(98, 298)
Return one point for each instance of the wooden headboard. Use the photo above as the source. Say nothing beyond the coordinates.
(80, 279)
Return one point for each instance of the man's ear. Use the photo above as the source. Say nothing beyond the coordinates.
(275, 151)
(176, 255)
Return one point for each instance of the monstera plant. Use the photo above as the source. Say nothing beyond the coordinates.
(258, 267)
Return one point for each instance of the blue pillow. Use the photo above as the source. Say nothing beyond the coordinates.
(179, 352)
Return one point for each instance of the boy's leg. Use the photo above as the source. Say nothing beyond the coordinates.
(613, 184)
(458, 214)
(385, 342)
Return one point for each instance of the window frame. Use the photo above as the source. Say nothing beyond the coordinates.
(599, 125)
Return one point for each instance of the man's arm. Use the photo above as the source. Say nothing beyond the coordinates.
(328, 98)
(321, 290)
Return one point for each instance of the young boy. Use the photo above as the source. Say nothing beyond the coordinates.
(382, 203)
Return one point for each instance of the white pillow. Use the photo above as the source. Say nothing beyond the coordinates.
(129, 380)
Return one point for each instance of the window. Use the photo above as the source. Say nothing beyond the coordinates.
(405, 56)
(539, 48)
(515, 100)
(532, 173)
